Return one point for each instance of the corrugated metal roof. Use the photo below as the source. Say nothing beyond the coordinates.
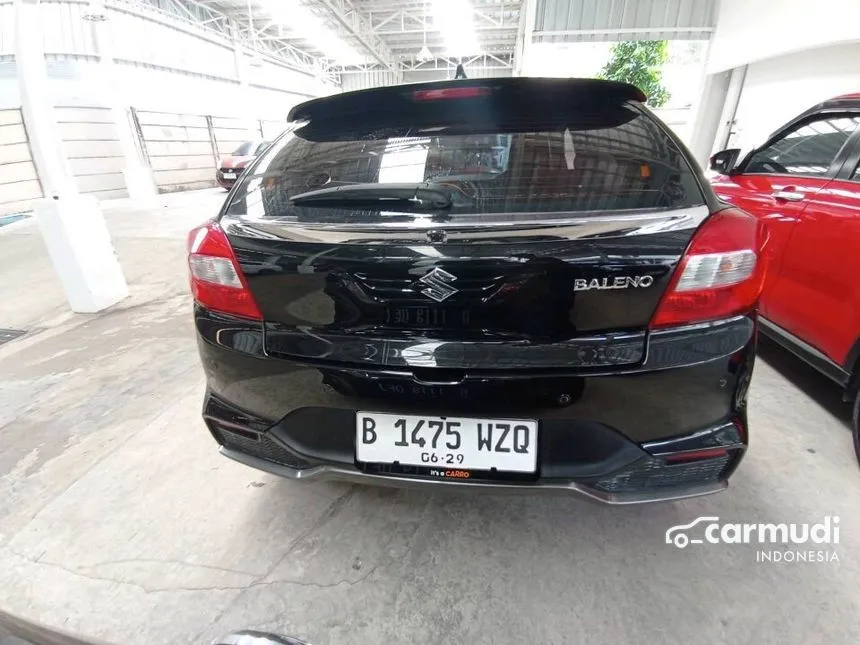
(588, 20)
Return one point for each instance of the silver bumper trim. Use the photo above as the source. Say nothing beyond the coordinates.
(336, 473)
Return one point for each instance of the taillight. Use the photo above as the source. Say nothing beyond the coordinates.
(217, 282)
(720, 275)
(468, 92)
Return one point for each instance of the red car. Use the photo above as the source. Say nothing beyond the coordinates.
(232, 165)
(804, 182)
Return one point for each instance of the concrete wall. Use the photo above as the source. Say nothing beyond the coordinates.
(183, 149)
(754, 30)
(779, 89)
(91, 144)
(162, 66)
(18, 181)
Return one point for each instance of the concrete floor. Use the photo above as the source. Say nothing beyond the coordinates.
(118, 518)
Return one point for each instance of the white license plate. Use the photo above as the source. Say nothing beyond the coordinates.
(229, 175)
(507, 445)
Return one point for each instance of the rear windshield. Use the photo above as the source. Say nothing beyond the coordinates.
(615, 160)
(243, 150)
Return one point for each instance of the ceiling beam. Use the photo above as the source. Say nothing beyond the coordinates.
(359, 27)
(235, 30)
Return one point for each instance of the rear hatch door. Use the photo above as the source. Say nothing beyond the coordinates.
(483, 225)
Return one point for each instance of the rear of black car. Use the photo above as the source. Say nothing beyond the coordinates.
(507, 282)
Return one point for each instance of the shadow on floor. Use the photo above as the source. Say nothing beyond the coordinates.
(818, 387)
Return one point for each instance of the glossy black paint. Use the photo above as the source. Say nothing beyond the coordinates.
(520, 290)
(503, 98)
(691, 379)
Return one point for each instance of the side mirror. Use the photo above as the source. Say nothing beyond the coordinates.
(724, 160)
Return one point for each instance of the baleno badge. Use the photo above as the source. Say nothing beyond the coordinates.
(619, 282)
(437, 285)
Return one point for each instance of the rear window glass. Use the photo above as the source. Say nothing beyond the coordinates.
(588, 164)
(243, 150)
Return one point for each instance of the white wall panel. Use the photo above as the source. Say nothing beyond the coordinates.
(167, 70)
(64, 30)
(95, 165)
(778, 89)
(19, 183)
(364, 80)
(179, 149)
(13, 132)
(13, 152)
(91, 145)
(18, 171)
(92, 149)
(82, 131)
(174, 133)
(183, 162)
(7, 28)
(143, 40)
(164, 65)
(753, 30)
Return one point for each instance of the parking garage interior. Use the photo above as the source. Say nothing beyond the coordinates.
(120, 521)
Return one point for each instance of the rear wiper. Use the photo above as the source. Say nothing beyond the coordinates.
(411, 196)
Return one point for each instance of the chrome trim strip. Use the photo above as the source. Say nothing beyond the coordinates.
(608, 350)
(334, 473)
(688, 443)
(408, 228)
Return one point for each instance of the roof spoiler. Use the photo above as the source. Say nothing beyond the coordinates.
(516, 94)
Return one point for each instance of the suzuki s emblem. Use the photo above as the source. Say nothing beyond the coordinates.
(436, 236)
(437, 285)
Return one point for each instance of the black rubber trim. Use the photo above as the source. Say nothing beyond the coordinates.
(852, 158)
(852, 362)
(831, 107)
(806, 352)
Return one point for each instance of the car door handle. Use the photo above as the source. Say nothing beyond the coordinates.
(788, 195)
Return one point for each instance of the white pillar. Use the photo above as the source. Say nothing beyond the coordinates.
(243, 75)
(525, 33)
(138, 176)
(708, 113)
(733, 99)
(72, 224)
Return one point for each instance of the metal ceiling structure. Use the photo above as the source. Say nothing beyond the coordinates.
(389, 35)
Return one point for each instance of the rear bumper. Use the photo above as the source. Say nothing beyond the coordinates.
(226, 183)
(669, 427)
(335, 473)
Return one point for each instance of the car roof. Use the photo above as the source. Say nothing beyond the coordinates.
(845, 102)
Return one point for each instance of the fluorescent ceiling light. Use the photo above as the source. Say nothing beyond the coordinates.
(305, 24)
(453, 19)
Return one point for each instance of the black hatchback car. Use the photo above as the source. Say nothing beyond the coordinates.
(521, 283)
